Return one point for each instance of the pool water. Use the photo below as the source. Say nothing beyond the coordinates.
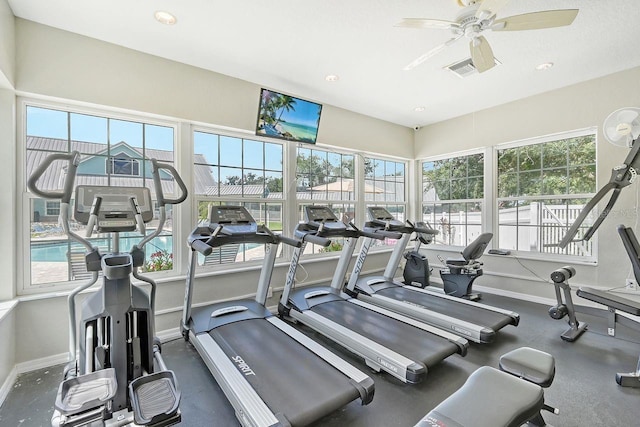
(57, 251)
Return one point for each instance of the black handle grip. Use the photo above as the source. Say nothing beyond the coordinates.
(201, 247)
(372, 235)
(426, 230)
(73, 159)
(289, 241)
(317, 240)
(157, 183)
(381, 234)
(562, 274)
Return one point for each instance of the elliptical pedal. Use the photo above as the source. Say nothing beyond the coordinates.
(154, 399)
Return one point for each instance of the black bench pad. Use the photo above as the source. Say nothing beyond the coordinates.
(610, 300)
(489, 398)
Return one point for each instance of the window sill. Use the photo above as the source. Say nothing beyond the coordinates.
(6, 307)
(529, 256)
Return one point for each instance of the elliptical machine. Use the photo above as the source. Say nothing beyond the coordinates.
(118, 376)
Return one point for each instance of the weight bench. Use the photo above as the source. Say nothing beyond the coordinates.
(509, 397)
(615, 303)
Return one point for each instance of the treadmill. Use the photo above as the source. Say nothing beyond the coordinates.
(475, 321)
(392, 342)
(272, 374)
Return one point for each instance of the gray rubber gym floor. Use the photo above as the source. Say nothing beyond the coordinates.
(584, 389)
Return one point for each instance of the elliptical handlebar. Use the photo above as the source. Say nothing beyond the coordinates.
(156, 167)
(73, 160)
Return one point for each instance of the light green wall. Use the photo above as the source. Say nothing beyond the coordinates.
(7, 349)
(7, 45)
(578, 106)
(84, 69)
(8, 171)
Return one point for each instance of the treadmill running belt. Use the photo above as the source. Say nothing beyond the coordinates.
(291, 379)
(411, 342)
(458, 310)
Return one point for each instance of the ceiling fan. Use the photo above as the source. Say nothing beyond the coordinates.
(479, 16)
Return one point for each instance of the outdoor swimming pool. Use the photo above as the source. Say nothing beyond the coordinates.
(56, 250)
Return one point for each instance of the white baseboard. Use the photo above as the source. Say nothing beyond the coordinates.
(169, 334)
(515, 295)
(8, 384)
(44, 362)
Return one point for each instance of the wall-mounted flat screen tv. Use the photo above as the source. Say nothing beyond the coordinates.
(286, 117)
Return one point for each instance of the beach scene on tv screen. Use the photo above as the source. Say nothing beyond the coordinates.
(283, 116)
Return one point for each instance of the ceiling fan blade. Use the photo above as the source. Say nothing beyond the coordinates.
(481, 54)
(489, 8)
(536, 20)
(426, 23)
(419, 60)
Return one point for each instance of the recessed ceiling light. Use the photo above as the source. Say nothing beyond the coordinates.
(544, 66)
(419, 109)
(165, 17)
(332, 78)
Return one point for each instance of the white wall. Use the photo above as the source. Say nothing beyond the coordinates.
(575, 107)
(7, 45)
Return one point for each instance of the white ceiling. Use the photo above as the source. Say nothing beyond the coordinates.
(291, 45)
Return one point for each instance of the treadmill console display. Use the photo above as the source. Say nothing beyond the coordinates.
(319, 214)
(380, 214)
(235, 219)
(115, 209)
(323, 216)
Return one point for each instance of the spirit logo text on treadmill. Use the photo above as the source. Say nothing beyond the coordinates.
(242, 365)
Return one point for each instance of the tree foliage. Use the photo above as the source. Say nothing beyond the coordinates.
(456, 178)
(565, 166)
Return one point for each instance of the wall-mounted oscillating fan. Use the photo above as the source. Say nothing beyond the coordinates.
(479, 16)
(622, 126)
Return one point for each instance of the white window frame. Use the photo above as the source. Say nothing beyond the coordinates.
(382, 245)
(24, 208)
(487, 208)
(110, 166)
(198, 198)
(588, 260)
(51, 205)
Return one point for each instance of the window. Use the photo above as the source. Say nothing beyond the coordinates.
(114, 152)
(123, 165)
(52, 208)
(452, 197)
(384, 185)
(237, 171)
(326, 178)
(542, 187)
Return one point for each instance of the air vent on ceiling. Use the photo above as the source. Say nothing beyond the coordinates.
(465, 67)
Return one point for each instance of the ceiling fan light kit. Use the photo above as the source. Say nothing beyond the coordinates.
(478, 16)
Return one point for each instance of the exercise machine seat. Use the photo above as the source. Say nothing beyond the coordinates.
(530, 364)
(472, 252)
(489, 398)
